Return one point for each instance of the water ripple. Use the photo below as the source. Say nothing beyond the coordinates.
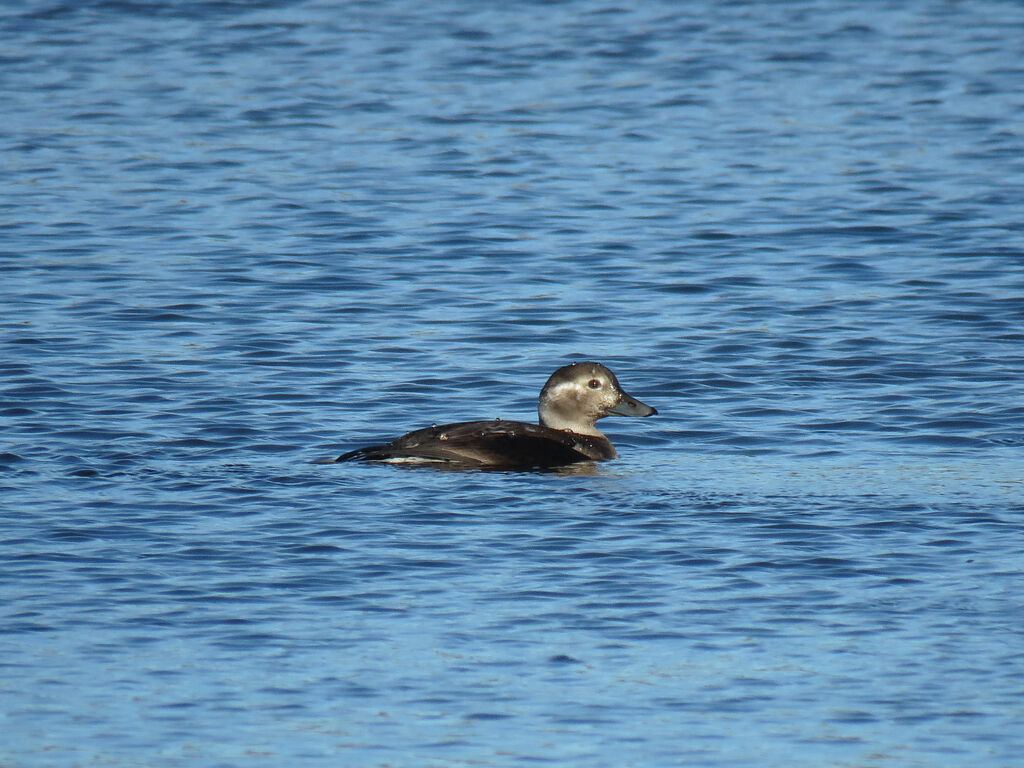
(268, 232)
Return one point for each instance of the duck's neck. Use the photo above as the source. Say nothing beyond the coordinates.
(549, 417)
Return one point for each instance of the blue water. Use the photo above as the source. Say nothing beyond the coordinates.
(237, 237)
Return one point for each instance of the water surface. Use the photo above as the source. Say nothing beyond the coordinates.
(239, 237)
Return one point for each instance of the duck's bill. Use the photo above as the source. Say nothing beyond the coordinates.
(630, 406)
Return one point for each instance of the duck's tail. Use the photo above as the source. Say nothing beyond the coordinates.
(369, 453)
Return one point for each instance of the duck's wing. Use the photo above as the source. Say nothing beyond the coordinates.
(487, 444)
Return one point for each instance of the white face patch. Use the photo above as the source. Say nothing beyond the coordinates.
(565, 391)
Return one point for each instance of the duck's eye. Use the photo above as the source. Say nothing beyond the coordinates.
(594, 383)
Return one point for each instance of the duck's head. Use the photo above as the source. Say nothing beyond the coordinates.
(577, 395)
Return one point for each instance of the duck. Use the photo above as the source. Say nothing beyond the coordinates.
(571, 401)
